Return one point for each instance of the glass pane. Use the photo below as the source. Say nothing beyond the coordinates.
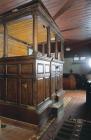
(20, 36)
(82, 58)
(76, 58)
(1, 40)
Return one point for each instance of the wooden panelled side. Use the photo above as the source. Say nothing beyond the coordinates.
(12, 89)
(19, 75)
(47, 87)
(12, 69)
(43, 80)
(2, 82)
(27, 91)
(28, 82)
(27, 68)
(41, 91)
(1, 69)
(2, 89)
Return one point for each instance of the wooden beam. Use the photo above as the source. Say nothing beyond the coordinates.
(18, 40)
(69, 29)
(65, 7)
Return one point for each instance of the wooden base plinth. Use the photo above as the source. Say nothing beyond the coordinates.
(57, 108)
(31, 115)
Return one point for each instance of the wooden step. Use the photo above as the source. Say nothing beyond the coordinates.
(70, 126)
(66, 129)
(64, 135)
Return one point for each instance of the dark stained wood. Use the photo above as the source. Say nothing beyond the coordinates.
(26, 92)
(12, 89)
(43, 80)
(41, 90)
(26, 82)
(1, 68)
(6, 5)
(12, 69)
(35, 29)
(27, 68)
(2, 89)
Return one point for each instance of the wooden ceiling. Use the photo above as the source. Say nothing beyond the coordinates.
(72, 16)
(74, 19)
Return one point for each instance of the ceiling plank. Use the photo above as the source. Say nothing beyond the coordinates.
(69, 29)
(65, 7)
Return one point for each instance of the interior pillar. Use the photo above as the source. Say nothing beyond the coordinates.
(48, 42)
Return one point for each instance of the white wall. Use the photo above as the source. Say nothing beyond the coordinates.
(79, 68)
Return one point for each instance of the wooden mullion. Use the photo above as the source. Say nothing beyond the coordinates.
(48, 42)
(35, 31)
(56, 47)
(5, 48)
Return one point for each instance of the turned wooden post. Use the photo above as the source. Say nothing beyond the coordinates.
(62, 50)
(56, 47)
(35, 35)
(5, 48)
(48, 42)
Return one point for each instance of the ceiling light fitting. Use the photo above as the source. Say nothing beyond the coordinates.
(68, 49)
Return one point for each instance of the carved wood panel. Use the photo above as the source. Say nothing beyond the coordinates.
(12, 69)
(12, 89)
(40, 90)
(2, 89)
(27, 68)
(27, 91)
(1, 69)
